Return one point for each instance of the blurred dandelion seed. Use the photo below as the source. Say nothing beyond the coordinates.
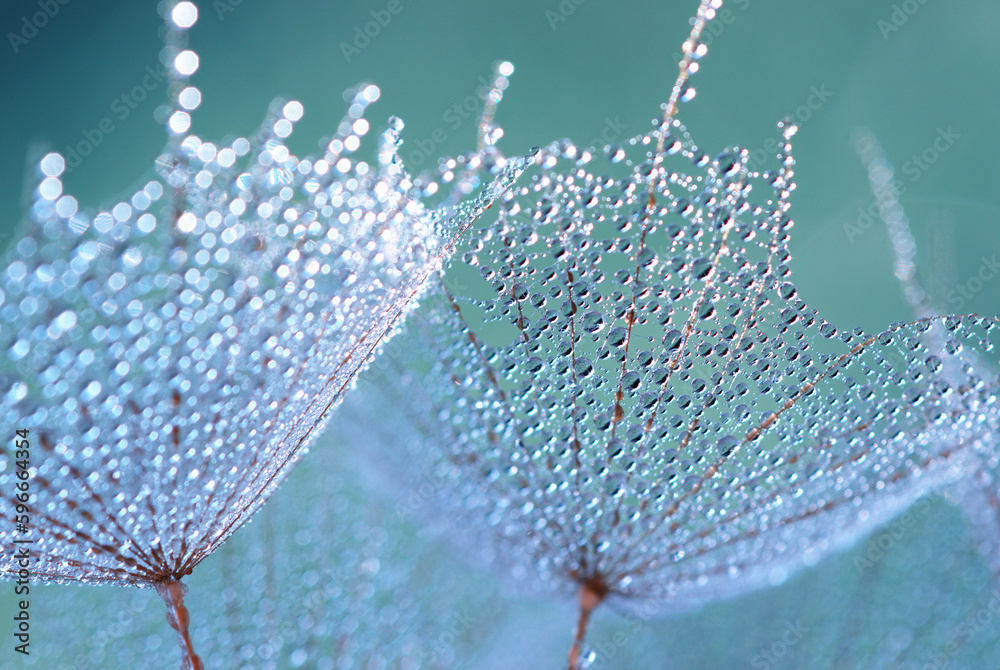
(186, 359)
(976, 492)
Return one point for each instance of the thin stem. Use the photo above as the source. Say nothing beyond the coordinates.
(706, 12)
(172, 592)
(904, 249)
(491, 98)
(592, 592)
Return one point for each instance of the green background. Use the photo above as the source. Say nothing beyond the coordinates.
(605, 61)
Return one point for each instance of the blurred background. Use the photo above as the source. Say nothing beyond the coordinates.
(923, 76)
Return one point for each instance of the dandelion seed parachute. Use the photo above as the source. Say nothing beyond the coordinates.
(174, 356)
(639, 406)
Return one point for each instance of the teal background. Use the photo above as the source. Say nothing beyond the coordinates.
(606, 60)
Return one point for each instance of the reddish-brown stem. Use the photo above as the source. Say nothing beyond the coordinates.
(592, 592)
(172, 592)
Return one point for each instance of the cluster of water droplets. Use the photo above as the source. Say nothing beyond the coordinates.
(174, 355)
(637, 400)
